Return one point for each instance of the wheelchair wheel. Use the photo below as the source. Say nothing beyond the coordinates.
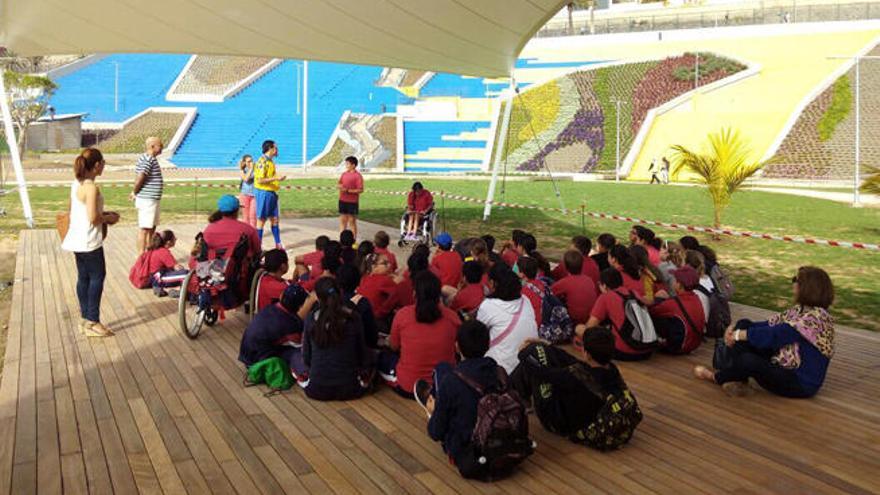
(191, 317)
(255, 290)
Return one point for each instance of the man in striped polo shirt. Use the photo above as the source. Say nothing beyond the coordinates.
(148, 192)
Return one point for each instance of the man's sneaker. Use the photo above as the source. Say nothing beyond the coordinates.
(422, 391)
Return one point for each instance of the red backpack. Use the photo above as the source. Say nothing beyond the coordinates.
(140, 275)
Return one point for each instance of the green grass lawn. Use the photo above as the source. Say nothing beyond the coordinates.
(761, 269)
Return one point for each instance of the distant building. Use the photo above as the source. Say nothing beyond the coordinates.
(56, 133)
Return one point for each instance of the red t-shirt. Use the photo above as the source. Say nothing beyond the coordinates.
(313, 261)
(634, 284)
(510, 257)
(388, 254)
(468, 299)
(224, 234)
(579, 294)
(160, 260)
(422, 345)
(448, 265)
(589, 268)
(653, 255)
(350, 180)
(609, 307)
(535, 296)
(691, 302)
(270, 291)
(420, 202)
(381, 291)
(405, 295)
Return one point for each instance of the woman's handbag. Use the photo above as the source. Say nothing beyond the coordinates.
(62, 224)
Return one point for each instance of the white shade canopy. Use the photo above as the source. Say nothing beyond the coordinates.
(472, 37)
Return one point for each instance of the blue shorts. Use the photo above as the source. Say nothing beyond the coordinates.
(267, 204)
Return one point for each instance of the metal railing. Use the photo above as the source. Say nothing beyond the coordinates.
(638, 22)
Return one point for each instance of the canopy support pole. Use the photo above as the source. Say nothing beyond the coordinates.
(16, 157)
(502, 141)
(305, 108)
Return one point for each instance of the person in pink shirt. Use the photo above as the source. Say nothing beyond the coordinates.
(224, 229)
(418, 202)
(350, 185)
(164, 268)
(645, 237)
(308, 266)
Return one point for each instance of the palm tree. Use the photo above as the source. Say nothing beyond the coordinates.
(871, 183)
(723, 169)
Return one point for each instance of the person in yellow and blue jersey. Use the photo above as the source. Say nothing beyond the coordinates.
(266, 185)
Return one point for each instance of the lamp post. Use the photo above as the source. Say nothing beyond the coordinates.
(116, 89)
(857, 180)
(617, 102)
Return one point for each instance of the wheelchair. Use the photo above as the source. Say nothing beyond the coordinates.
(218, 281)
(425, 232)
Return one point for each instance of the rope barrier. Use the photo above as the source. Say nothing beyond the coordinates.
(598, 215)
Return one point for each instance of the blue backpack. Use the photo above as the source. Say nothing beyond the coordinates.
(556, 325)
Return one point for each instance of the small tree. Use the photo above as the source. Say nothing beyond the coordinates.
(28, 99)
(723, 169)
(871, 183)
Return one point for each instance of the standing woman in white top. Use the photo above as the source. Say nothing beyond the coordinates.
(509, 316)
(85, 238)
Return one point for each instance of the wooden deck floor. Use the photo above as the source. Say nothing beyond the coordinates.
(150, 411)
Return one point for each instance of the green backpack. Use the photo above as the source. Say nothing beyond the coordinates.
(274, 372)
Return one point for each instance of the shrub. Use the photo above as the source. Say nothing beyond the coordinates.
(841, 103)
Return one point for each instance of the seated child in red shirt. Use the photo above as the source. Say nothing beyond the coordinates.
(609, 309)
(470, 296)
(163, 268)
(446, 262)
(577, 291)
(679, 320)
(308, 266)
(379, 287)
(532, 287)
(590, 268)
(272, 284)
(380, 242)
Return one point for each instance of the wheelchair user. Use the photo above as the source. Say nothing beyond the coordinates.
(418, 203)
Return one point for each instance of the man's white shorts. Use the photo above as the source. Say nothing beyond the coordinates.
(148, 212)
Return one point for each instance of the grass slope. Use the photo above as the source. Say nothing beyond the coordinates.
(762, 270)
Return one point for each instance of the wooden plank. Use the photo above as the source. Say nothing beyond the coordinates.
(10, 377)
(24, 475)
(156, 448)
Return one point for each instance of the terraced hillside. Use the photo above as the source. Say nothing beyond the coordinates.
(130, 139)
(821, 145)
(214, 75)
(569, 124)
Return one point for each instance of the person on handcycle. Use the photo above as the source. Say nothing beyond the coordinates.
(418, 203)
(225, 229)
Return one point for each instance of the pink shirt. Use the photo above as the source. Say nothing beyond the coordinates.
(351, 180)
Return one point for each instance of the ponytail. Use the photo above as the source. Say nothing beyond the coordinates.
(427, 292)
(628, 264)
(87, 160)
(156, 242)
(332, 316)
(215, 216)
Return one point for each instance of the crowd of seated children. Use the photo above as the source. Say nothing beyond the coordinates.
(609, 310)
(422, 335)
(508, 315)
(679, 320)
(277, 330)
(577, 291)
(273, 283)
(789, 353)
(308, 266)
(451, 404)
(446, 263)
(348, 254)
(363, 250)
(567, 393)
(380, 242)
(512, 248)
(339, 365)
(470, 295)
(415, 264)
(589, 267)
(157, 266)
(691, 243)
(529, 247)
(695, 260)
(645, 237)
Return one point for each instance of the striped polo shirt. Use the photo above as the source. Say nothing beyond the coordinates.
(149, 166)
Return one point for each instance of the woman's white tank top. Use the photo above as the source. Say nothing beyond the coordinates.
(82, 236)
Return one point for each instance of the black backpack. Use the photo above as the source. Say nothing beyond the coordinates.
(719, 313)
(616, 421)
(500, 439)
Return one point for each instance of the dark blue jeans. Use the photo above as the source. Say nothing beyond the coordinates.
(746, 362)
(91, 271)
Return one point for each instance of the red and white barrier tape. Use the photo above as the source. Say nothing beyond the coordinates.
(604, 216)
